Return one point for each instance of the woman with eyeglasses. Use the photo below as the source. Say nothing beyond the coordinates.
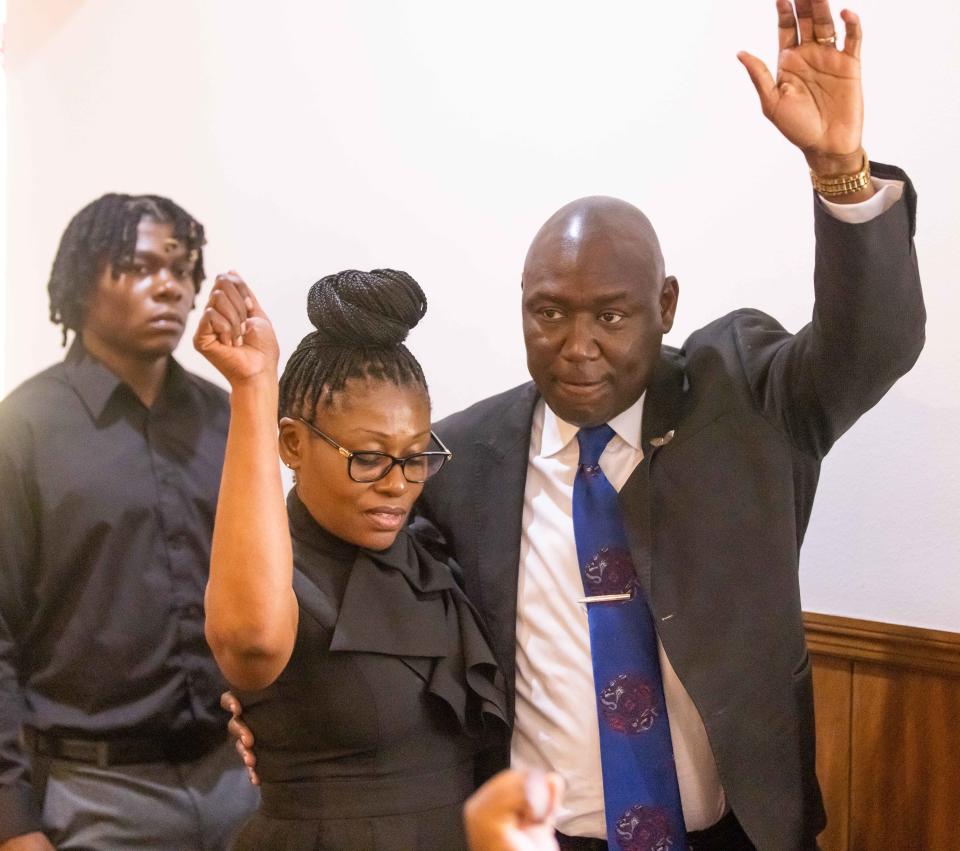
(360, 663)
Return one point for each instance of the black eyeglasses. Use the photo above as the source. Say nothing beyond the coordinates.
(365, 467)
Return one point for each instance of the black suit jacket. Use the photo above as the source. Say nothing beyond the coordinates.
(716, 514)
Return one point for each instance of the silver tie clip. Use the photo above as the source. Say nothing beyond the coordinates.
(607, 598)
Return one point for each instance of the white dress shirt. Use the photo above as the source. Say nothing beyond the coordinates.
(556, 726)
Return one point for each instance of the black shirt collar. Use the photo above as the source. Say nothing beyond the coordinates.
(96, 385)
(304, 528)
(400, 556)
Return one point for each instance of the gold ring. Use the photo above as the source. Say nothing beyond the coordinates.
(830, 39)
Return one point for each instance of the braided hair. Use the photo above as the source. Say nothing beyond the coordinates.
(361, 321)
(105, 231)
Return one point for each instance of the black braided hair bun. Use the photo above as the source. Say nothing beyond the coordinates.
(373, 309)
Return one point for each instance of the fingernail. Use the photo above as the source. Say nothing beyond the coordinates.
(537, 794)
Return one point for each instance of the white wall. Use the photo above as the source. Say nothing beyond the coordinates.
(436, 136)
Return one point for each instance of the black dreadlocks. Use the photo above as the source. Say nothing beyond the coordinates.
(105, 231)
(362, 319)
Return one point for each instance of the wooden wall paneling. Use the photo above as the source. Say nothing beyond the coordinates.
(832, 689)
(905, 759)
(892, 644)
(899, 785)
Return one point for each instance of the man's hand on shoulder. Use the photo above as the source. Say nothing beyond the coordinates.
(816, 100)
(27, 842)
(241, 733)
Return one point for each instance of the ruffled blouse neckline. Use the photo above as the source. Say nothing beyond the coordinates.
(403, 602)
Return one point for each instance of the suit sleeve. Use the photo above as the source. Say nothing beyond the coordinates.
(18, 545)
(867, 328)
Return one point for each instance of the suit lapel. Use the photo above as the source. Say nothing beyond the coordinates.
(661, 414)
(499, 480)
(661, 408)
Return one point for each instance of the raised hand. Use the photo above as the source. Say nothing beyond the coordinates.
(816, 100)
(234, 333)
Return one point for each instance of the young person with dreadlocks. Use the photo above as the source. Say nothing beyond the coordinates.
(110, 730)
(360, 662)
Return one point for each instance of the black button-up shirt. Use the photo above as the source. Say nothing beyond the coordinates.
(106, 516)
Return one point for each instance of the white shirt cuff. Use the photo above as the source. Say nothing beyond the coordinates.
(888, 192)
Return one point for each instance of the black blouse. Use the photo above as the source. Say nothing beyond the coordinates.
(388, 696)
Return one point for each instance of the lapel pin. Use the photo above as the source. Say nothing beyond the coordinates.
(662, 441)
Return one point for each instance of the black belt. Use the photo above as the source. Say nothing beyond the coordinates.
(580, 843)
(725, 835)
(364, 797)
(181, 746)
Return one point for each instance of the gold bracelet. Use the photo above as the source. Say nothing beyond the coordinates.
(843, 184)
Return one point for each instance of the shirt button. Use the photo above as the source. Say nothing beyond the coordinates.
(193, 610)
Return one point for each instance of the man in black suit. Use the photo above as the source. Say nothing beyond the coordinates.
(716, 456)
(716, 486)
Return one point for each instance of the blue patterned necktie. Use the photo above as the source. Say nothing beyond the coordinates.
(640, 793)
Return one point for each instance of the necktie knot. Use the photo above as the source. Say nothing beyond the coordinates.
(592, 442)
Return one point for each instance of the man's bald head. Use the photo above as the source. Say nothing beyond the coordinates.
(596, 304)
(596, 225)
